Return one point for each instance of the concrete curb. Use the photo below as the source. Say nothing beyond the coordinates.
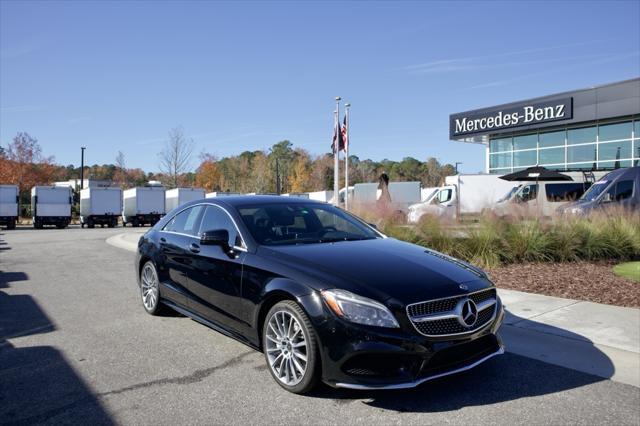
(128, 241)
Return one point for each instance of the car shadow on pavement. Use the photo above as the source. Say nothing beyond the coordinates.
(37, 383)
(503, 378)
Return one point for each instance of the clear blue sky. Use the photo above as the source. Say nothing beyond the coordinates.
(242, 76)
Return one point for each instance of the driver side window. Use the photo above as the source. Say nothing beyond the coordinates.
(444, 195)
(214, 219)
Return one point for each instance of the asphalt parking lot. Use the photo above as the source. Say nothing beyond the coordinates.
(77, 347)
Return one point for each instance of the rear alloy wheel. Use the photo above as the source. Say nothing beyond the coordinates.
(150, 289)
(289, 343)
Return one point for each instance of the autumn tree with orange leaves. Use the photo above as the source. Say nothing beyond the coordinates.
(24, 165)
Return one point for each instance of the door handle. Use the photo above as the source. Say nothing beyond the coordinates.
(194, 248)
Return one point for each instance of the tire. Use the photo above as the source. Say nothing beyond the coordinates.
(134, 223)
(11, 225)
(292, 358)
(112, 224)
(90, 223)
(151, 302)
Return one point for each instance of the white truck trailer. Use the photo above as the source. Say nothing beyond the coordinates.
(324, 196)
(178, 196)
(51, 205)
(142, 205)
(9, 206)
(100, 206)
(403, 194)
(220, 194)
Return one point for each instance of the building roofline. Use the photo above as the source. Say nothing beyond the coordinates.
(552, 95)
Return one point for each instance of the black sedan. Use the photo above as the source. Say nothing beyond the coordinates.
(323, 294)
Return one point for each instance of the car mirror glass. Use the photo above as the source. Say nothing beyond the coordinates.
(217, 237)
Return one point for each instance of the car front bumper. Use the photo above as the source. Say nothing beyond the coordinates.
(361, 357)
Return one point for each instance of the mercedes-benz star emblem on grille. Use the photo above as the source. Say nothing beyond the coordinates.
(467, 312)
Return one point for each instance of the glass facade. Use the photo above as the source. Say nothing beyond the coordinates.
(602, 146)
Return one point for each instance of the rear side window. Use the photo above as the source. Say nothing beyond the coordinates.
(215, 219)
(564, 191)
(624, 189)
(185, 222)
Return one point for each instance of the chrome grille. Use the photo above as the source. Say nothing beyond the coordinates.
(440, 318)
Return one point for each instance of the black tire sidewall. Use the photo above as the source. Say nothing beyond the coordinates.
(313, 360)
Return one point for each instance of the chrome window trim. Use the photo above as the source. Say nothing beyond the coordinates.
(235, 224)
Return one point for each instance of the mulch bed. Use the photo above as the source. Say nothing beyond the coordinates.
(594, 282)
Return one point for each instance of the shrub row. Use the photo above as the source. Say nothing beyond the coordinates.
(493, 241)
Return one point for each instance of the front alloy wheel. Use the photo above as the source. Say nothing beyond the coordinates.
(290, 347)
(150, 289)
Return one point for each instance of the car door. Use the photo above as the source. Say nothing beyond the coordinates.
(215, 279)
(175, 240)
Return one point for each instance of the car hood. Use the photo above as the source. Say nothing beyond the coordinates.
(382, 269)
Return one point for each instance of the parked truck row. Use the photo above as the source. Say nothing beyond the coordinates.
(461, 195)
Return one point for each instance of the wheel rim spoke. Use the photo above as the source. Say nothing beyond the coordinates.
(149, 288)
(286, 348)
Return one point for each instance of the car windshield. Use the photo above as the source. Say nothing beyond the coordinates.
(595, 190)
(509, 194)
(302, 223)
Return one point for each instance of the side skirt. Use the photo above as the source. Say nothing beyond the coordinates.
(209, 324)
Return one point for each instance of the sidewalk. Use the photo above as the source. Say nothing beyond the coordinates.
(597, 339)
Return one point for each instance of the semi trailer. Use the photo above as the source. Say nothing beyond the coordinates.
(142, 205)
(100, 206)
(51, 205)
(9, 202)
(178, 196)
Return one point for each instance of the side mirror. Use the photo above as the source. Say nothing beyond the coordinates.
(373, 225)
(607, 198)
(217, 237)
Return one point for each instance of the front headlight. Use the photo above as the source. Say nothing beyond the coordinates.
(358, 309)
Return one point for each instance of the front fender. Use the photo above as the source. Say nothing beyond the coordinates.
(278, 289)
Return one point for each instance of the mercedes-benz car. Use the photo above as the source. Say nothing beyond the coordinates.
(324, 295)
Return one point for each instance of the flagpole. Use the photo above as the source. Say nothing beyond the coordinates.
(346, 157)
(336, 164)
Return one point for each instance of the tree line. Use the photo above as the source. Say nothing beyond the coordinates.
(282, 168)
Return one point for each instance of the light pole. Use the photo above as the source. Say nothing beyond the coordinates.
(82, 148)
(347, 106)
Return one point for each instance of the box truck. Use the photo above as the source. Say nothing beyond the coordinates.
(462, 195)
(178, 196)
(9, 202)
(100, 206)
(142, 205)
(51, 205)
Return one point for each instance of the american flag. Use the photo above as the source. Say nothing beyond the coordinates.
(345, 138)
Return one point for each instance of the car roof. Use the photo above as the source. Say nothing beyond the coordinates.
(240, 200)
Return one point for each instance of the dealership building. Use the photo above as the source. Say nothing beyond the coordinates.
(590, 129)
